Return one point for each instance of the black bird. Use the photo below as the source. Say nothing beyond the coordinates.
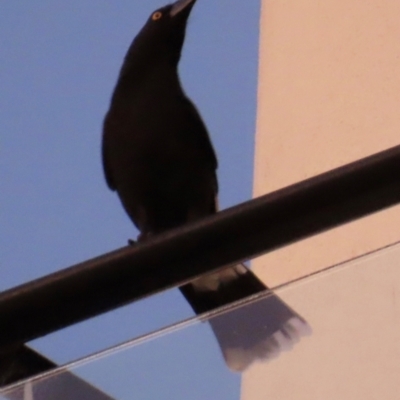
(158, 157)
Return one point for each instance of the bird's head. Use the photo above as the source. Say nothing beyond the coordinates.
(162, 37)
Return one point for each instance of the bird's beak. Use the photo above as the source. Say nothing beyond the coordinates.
(180, 5)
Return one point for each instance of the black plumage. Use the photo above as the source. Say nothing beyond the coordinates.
(156, 150)
(158, 157)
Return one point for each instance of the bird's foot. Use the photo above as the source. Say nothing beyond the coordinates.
(140, 239)
(144, 236)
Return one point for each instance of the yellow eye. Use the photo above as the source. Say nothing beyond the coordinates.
(157, 15)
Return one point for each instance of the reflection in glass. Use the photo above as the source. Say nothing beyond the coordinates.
(257, 331)
(353, 353)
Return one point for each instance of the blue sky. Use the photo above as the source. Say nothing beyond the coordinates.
(59, 64)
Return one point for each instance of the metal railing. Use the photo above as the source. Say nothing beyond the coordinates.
(181, 255)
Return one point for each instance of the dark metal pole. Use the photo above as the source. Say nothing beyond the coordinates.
(239, 233)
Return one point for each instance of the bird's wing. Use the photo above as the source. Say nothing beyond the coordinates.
(200, 135)
(106, 164)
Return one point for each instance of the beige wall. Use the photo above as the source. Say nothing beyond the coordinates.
(329, 94)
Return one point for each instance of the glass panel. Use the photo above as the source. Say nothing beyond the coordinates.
(353, 352)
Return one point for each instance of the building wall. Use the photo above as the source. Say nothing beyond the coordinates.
(329, 94)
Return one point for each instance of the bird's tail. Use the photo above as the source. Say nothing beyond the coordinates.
(256, 331)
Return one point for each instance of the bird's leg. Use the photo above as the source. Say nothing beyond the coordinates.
(144, 236)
